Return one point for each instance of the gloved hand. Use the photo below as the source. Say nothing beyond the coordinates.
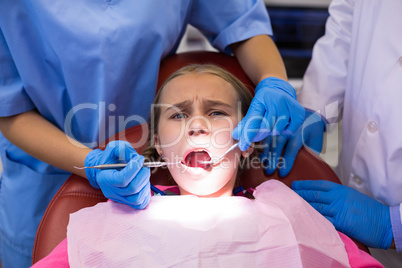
(273, 110)
(129, 185)
(351, 212)
(309, 134)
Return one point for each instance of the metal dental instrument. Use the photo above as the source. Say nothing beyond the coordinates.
(161, 164)
(213, 162)
(122, 165)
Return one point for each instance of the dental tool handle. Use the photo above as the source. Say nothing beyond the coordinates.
(106, 166)
(122, 165)
(159, 164)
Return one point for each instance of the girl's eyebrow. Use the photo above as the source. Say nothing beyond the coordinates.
(209, 103)
(179, 106)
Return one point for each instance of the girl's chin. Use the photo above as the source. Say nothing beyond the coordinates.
(201, 189)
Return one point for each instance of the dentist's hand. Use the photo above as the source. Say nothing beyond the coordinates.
(351, 212)
(309, 134)
(273, 110)
(130, 185)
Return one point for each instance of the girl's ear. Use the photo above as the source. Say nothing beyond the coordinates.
(249, 151)
(157, 144)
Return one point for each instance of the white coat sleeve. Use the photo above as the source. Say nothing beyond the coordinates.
(324, 82)
(396, 221)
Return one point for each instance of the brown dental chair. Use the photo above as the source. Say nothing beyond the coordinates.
(76, 193)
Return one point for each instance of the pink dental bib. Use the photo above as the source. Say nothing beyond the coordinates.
(277, 229)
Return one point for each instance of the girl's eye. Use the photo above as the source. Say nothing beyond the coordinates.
(218, 113)
(179, 116)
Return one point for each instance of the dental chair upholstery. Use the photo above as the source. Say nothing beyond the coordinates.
(76, 192)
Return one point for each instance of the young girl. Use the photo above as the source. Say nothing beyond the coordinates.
(205, 225)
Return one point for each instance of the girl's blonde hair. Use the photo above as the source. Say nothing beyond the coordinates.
(243, 93)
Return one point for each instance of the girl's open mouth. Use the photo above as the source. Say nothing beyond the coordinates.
(195, 159)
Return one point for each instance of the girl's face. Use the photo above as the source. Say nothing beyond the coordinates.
(198, 114)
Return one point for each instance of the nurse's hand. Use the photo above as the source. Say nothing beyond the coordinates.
(351, 212)
(129, 185)
(273, 110)
(309, 134)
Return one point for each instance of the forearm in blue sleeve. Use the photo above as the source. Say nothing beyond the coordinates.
(224, 25)
(13, 98)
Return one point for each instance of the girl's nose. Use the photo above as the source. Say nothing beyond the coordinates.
(198, 126)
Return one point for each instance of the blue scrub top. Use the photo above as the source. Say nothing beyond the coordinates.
(90, 68)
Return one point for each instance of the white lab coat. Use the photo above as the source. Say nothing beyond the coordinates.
(357, 68)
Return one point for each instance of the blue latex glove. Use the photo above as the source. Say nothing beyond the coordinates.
(129, 185)
(309, 134)
(351, 212)
(273, 110)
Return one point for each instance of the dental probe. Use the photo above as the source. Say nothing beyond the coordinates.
(160, 164)
(213, 162)
(122, 165)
